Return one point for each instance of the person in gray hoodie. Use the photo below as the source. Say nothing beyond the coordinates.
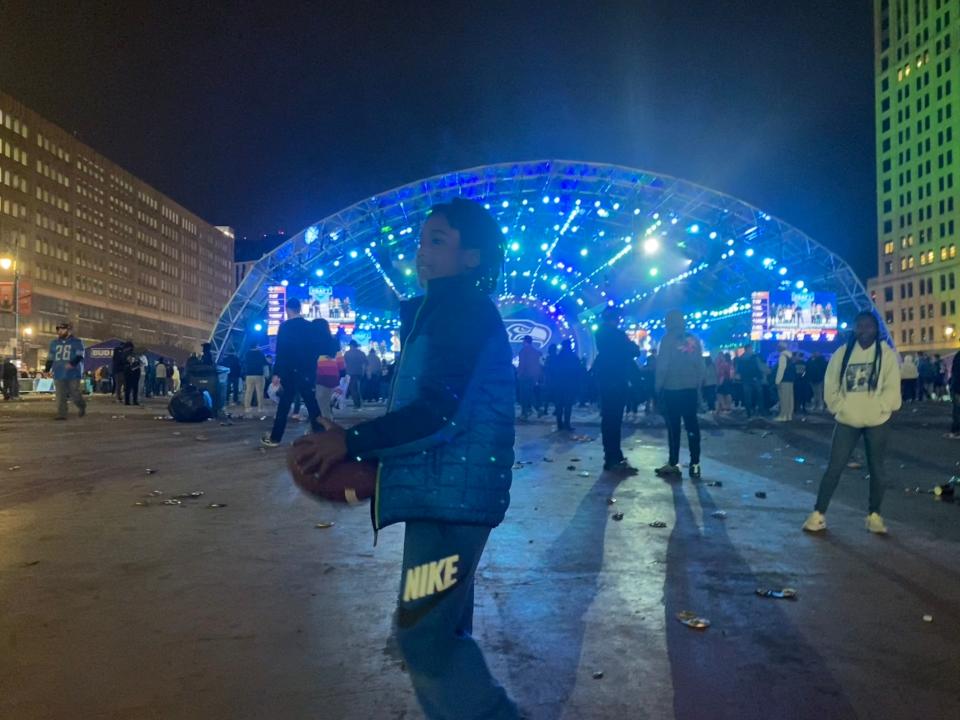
(862, 390)
(679, 377)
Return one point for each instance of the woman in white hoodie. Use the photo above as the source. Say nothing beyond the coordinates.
(862, 390)
(909, 374)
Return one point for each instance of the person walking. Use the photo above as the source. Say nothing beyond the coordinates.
(816, 371)
(786, 375)
(356, 365)
(253, 363)
(566, 369)
(65, 359)
(175, 377)
(445, 451)
(909, 378)
(529, 372)
(160, 372)
(954, 388)
(862, 390)
(680, 371)
(131, 375)
(611, 370)
(299, 343)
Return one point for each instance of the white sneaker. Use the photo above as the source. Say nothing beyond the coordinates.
(874, 524)
(815, 523)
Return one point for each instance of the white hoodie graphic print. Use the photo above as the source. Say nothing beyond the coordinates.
(851, 399)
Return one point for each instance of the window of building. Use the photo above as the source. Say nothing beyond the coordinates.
(888, 294)
(888, 247)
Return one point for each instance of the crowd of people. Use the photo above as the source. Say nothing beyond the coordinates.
(445, 445)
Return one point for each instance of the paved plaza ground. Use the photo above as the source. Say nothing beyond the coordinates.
(113, 610)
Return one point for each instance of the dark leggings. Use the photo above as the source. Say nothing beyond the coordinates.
(681, 405)
(845, 439)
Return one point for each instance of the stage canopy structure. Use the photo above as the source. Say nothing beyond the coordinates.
(579, 237)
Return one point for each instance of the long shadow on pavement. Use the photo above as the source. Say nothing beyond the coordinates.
(551, 620)
(752, 662)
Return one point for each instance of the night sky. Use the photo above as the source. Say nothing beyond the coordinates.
(273, 116)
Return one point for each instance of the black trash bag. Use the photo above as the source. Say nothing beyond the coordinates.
(191, 404)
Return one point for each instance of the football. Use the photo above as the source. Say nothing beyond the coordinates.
(348, 482)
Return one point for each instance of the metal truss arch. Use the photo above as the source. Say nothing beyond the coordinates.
(578, 236)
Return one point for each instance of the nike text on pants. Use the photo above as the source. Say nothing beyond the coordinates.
(435, 620)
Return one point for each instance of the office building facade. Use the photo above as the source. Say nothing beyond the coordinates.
(84, 240)
(917, 73)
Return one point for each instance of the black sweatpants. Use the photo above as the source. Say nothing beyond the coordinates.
(291, 388)
(682, 405)
(612, 403)
(131, 384)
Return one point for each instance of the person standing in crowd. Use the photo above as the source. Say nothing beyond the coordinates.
(611, 370)
(355, 362)
(909, 378)
(175, 377)
(566, 369)
(529, 372)
(118, 366)
(65, 358)
(862, 390)
(445, 449)
(253, 364)
(150, 376)
(802, 394)
(144, 366)
(939, 378)
(11, 380)
(131, 375)
(206, 354)
(927, 374)
(954, 388)
(711, 379)
(548, 383)
(648, 381)
(232, 363)
(816, 370)
(328, 378)
(299, 343)
(751, 373)
(161, 377)
(724, 384)
(786, 375)
(680, 370)
(374, 372)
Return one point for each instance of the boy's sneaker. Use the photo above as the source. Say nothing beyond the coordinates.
(815, 523)
(695, 471)
(668, 470)
(269, 442)
(874, 524)
(621, 468)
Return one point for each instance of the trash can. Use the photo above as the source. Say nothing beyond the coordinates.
(213, 379)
